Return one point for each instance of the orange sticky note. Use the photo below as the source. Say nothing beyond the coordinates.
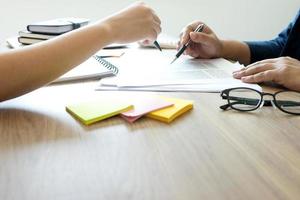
(169, 114)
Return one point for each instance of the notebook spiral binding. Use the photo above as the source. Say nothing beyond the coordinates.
(107, 64)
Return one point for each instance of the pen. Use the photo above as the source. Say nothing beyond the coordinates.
(157, 45)
(199, 28)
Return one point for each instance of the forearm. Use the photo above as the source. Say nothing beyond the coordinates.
(236, 50)
(26, 69)
(29, 68)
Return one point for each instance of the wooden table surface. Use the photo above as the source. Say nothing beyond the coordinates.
(205, 154)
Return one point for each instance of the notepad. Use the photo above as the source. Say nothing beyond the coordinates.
(144, 105)
(169, 114)
(97, 110)
(94, 68)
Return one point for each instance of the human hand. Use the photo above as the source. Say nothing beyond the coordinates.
(203, 45)
(134, 23)
(284, 71)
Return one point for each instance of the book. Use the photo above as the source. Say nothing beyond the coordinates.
(27, 34)
(97, 110)
(57, 26)
(93, 68)
(168, 114)
(28, 41)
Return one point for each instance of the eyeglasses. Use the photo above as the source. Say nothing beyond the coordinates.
(248, 99)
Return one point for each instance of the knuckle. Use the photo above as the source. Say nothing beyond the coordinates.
(285, 69)
(159, 29)
(288, 58)
(284, 60)
(141, 3)
(190, 27)
(266, 74)
(146, 9)
(243, 73)
(196, 23)
(251, 69)
(150, 18)
(258, 77)
(264, 65)
(185, 31)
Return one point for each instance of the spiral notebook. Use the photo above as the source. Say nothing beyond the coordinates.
(95, 67)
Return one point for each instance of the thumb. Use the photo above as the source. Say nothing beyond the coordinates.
(201, 38)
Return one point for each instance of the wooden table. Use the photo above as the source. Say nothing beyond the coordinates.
(205, 154)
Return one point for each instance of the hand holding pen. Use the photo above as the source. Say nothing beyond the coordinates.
(204, 45)
(199, 28)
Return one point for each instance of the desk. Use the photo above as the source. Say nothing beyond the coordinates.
(206, 154)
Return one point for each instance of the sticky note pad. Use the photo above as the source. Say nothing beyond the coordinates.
(169, 114)
(97, 110)
(144, 105)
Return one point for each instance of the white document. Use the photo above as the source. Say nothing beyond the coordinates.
(148, 70)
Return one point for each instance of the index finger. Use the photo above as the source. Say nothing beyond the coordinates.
(185, 34)
(264, 76)
(273, 60)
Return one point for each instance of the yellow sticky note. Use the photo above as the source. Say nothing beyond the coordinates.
(97, 110)
(169, 114)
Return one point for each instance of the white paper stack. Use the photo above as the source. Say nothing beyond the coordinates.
(146, 70)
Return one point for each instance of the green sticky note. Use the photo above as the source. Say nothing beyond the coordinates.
(97, 110)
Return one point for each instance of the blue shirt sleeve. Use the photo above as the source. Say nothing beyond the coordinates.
(261, 50)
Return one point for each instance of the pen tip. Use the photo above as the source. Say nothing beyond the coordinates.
(157, 45)
(173, 60)
(159, 48)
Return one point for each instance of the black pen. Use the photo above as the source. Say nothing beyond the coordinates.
(199, 28)
(157, 45)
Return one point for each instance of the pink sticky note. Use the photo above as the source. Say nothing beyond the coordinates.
(143, 106)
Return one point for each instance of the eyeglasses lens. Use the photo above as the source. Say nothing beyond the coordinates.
(289, 101)
(244, 99)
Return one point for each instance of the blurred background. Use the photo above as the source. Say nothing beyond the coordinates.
(235, 19)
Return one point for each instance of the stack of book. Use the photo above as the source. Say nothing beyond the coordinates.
(45, 30)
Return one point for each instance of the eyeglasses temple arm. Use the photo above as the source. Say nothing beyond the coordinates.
(239, 100)
(288, 103)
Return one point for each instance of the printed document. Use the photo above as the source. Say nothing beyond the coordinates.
(148, 70)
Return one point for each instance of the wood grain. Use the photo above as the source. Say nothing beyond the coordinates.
(205, 154)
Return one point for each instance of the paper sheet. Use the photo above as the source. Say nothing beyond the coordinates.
(146, 70)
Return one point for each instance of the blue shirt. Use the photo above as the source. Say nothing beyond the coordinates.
(287, 43)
